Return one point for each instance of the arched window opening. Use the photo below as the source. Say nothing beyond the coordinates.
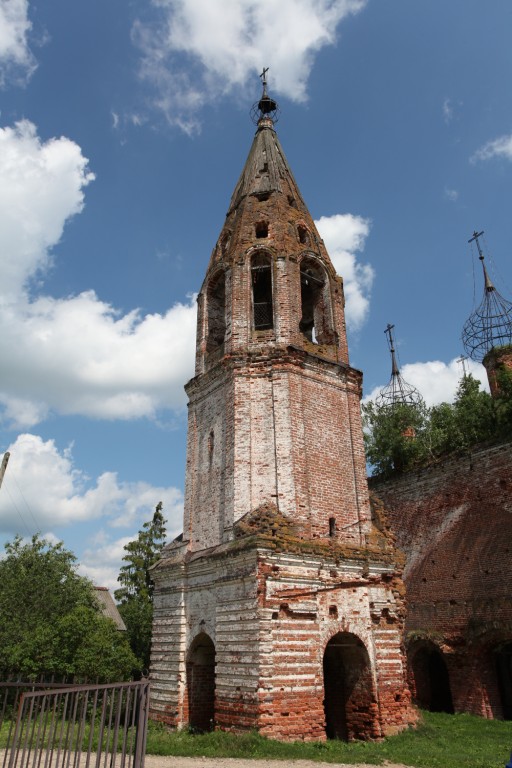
(303, 234)
(261, 278)
(315, 322)
(216, 312)
(504, 672)
(201, 683)
(261, 229)
(430, 682)
(349, 701)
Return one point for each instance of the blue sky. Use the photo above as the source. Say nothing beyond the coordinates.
(124, 125)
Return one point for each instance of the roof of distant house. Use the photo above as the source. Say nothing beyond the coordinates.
(109, 608)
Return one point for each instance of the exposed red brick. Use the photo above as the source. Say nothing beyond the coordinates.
(454, 522)
(279, 557)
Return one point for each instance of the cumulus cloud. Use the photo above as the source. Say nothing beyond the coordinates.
(500, 147)
(70, 498)
(345, 235)
(16, 59)
(117, 370)
(42, 185)
(198, 51)
(437, 381)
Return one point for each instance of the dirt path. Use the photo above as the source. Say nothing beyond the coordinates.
(153, 761)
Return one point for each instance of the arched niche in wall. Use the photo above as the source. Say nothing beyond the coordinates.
(216, 312)
(349, 700)
(200, 671)
(262, 300)
(428, 677)
(316, 321)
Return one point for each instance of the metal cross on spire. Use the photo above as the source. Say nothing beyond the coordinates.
(397, 391)
(462, 361)
(490, 325)
(266, 108)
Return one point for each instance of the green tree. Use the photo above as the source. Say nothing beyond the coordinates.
(503, 402)
(51, 622)
(399, 437)
(135, 596)
(394, 435)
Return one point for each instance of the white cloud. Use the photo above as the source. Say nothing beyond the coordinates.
(344, 235)
(71, 499)
(117, 370)
(451, 194)
(500, 147)
(41, 186)
(436, 381)
(16, 59)
(200, 50)
(447, 110)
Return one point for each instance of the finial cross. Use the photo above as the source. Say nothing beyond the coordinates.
(462, 360)
(475, 237)
(388, 332)
(264, 76)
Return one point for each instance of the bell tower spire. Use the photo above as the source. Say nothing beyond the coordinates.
(271, 344)
(280, 584)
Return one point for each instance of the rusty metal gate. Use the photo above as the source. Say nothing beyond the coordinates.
(73, 726)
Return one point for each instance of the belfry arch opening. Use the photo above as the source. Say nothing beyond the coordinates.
(201, 683)
(349, 700)
(504, 674)
(429, 679)
(262, 304)
(216, 312)
(316, 320)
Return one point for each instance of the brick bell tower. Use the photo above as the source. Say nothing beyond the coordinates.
(281, 606)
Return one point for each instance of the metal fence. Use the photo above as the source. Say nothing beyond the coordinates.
(73, 726)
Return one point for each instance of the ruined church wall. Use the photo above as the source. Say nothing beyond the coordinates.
(454, 522)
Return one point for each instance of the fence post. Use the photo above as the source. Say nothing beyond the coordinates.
(141, 726)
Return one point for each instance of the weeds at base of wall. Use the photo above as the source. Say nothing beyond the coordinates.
(439, 741)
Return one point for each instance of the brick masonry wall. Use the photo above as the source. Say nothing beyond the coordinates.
(454, 523)
(252, 423)
(275, 440)
(269, 672)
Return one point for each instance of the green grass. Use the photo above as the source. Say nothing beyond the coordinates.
(440, 741)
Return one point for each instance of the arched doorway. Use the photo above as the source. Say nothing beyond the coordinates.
(201, 683)
(349, 703)
(504, 672)
(430, 680)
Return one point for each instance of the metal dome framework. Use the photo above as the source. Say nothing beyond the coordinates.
(397, 391)
(266, 107)
(490, 325)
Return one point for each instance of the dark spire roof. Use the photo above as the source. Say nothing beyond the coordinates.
(267, 191)
(266, 169)
(490, 325)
